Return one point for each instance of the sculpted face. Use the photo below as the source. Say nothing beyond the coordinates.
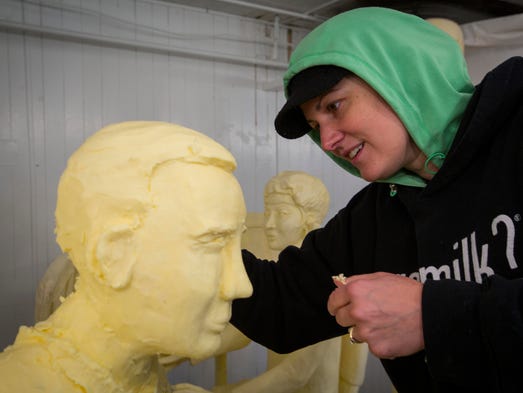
(284, 221)
(189, 265)
(295, 203)
(156, 240)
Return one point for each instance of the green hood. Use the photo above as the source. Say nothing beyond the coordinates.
(416, 67)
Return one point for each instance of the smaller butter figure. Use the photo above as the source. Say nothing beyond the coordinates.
(295, 204)
(151, 216)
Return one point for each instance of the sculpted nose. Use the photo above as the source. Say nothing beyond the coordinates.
(235, 282)
(269, 220)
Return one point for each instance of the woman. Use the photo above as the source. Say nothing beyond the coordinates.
(432, 246)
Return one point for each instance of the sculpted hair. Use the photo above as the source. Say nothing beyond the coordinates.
(107, 180)
(308, 193)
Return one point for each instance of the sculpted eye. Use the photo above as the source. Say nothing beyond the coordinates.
(213, 240)
(283, 212)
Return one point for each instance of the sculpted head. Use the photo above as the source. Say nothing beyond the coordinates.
(152, 216)
(295, 204)
(451, 28)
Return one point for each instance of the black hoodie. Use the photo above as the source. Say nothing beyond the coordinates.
(461, 236)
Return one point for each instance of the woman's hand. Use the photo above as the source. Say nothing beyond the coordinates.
(385, 310)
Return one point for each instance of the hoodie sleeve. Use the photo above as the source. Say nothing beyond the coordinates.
(288, 308)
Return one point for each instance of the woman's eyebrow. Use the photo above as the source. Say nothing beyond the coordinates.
(318, 104)
(322, 96)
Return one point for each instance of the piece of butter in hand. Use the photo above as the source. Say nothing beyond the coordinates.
(340, 278)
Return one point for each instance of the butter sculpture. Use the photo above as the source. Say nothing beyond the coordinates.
(296, 203)
(152, 217)
(451, 28)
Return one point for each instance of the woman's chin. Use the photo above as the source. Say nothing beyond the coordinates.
(369, 177)
(372, 176)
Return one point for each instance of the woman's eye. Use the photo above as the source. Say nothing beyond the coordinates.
(333, 106)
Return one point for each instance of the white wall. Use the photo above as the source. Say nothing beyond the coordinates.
(491, 41)
(69, 67)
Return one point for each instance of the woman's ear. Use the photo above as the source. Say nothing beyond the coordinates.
(115, 256)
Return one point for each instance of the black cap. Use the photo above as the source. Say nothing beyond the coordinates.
(307, 84)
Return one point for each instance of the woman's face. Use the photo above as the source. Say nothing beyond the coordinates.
(357, 125)
(284, 221)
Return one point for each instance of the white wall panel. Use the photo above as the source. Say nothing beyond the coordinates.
(5, 97)
(490, 42)
(17, 274)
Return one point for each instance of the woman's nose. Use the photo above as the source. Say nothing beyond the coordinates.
(330, 137)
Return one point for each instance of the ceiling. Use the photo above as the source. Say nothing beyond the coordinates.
(309, 13)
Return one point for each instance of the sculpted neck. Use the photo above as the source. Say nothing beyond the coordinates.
(78, 323)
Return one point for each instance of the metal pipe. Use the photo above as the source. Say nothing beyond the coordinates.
(146, 46)
(275, 37)
(321, 6)
(275, 10)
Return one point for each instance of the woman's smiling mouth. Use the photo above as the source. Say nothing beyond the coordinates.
(354, 152)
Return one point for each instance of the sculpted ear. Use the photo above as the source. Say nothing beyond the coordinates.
(310, 221)
(115, 254)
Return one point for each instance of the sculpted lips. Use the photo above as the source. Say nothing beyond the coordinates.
(270, 234)
(217, 325)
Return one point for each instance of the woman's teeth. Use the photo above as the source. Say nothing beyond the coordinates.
(355, 151)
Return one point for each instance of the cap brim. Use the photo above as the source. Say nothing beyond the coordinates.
(304, 86)
(290, 122)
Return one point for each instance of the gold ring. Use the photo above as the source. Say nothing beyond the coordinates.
(352, 339)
